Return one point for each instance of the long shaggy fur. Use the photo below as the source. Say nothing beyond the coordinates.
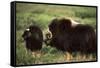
(71, 36)
(33, 37)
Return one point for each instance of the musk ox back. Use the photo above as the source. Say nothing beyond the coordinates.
(33, 37)
(68, 35)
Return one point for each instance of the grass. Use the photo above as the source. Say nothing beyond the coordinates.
(41, 15)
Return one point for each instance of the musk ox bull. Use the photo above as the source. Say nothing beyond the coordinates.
(33, 37)
(70, 36)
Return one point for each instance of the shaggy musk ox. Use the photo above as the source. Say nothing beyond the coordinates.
(33, 37)
(70, 36)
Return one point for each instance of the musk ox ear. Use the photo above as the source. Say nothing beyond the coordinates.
(65, 24)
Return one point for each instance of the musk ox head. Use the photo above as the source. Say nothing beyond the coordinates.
(60, 25)
(33, 38)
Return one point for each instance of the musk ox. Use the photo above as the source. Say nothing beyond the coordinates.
(70, 36)
(33, 37)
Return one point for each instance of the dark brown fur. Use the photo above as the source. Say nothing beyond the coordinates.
(79, 38)
(33, 38)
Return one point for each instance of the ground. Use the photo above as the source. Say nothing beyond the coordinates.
(41, 15)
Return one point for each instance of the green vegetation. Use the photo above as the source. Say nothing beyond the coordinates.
(41, 15)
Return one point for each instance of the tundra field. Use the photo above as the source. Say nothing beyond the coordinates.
(41, 15)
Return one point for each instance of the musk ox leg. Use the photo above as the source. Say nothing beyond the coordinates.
(68, 56)
(80, 57)
(36, 54)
